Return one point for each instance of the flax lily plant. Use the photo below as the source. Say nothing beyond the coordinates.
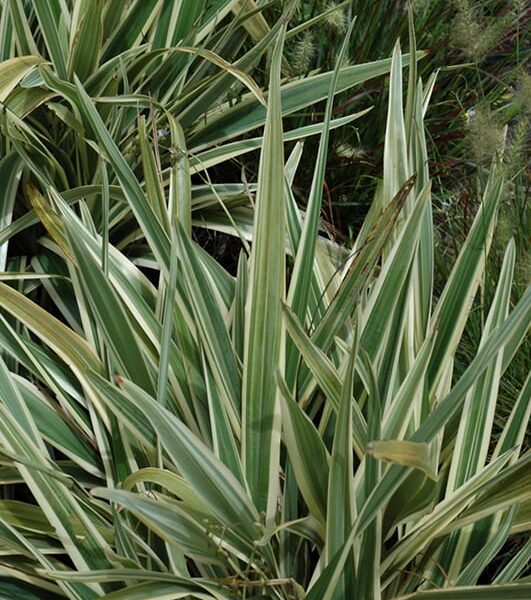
(294, 430)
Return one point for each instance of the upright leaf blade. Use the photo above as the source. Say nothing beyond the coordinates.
(264, 330)
(50, 14)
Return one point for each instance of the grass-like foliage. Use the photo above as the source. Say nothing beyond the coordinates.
(172, 429)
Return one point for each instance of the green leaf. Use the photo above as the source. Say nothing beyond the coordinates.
(160, 591)
(12, 72)
(154, 581)
(169, 481)
(263, 328)
(396, 169)
(481, 592)
(340, 502)
(51, 17)
(358, 271)
(77, 531)
(475, 427)
(10, 588)
(217, 60)
(87, 38)
(516, 325)
(127, 30)
(307, 453)
(475, 567)
(180, 184)
(409, 454)
(393, 277)
(516, 566)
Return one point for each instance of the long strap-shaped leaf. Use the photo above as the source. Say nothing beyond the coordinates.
(154, 582)
(308, 454)
(340, 501)
(521, 591)
(51, 17)
(86, 38)
(263, 329)
(299, 291)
